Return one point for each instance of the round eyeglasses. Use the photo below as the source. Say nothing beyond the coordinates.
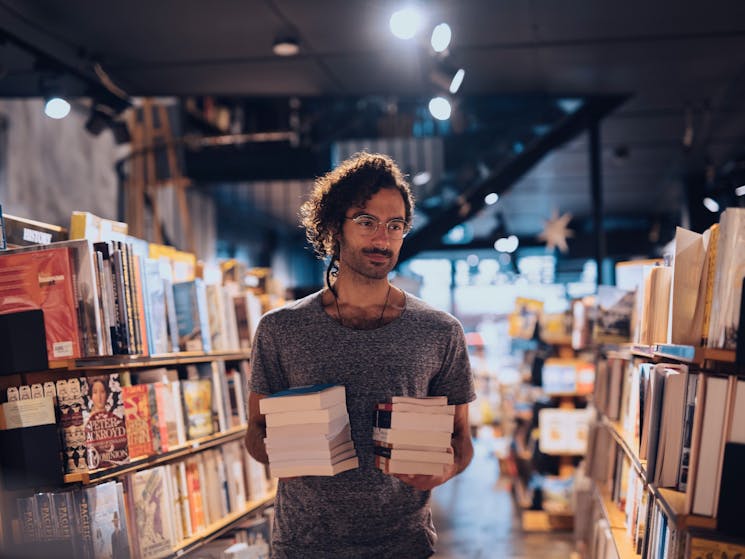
(367, 225)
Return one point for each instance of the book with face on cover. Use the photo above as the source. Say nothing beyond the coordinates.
(312, 397)
(104, 423)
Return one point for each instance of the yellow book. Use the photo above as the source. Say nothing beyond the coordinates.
(710, 265)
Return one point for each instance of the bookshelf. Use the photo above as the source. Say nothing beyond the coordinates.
(666, 509)
(191, 449)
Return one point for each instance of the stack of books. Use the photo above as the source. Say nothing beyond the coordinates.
(307, 431)
(412, 435)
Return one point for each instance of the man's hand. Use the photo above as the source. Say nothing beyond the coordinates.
(425, 482)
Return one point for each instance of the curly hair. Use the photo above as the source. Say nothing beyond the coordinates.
(352, 183)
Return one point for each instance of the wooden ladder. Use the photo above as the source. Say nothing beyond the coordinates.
(151, 133)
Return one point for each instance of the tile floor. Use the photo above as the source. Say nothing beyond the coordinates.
(475, 517)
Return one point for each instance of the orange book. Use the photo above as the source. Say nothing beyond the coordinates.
(137, 418)
(196, 505)
(43, 280)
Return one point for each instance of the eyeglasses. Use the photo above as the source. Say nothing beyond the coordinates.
(367, 225)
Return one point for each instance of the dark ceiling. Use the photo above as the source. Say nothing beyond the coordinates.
(666, 80)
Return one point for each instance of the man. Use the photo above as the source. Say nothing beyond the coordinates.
(377, 341)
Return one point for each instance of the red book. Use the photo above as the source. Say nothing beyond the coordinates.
(43, 280)
(137, 417)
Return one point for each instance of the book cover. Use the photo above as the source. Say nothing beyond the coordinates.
(216, 317)
(191, 316)
(563, 431)
(137, 416)
(194, 484)
(20, 232)
(70, 407)
(3, 242)
(85, 225)
(28, 515)
(167, 416)
(43, 279)
(155, 306)
(311, 397)
(152, 513)
(104, 422)
(197, 397)
(107, 520)
(729, 274)
(232, 456)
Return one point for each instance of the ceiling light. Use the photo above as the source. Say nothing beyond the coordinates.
(405, 23)
(441, 36)
(740, 190)
(286, 46)
(491, 198)
(507, 244)
(56, 108)
(457, 81)
(711, 204)
(569, 105)
(420, 179)
(439, 107)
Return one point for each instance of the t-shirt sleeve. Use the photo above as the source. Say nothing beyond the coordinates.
(266, 372)
(455, 379)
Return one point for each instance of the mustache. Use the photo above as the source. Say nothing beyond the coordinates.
(380, 251)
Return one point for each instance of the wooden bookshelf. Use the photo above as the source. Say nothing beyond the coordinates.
(623, 440)
(118, 362)
(236, 433)
(682, 354)
(617, 521)
(673, 502)
(221, 526)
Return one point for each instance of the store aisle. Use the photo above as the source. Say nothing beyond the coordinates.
(475, 518)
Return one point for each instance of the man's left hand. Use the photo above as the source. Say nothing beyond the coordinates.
(426, 482)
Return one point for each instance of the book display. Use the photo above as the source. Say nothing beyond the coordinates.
(665, 451)
(549, 420)
(122, 447)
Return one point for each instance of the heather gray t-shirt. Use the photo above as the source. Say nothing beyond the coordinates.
(363, 512)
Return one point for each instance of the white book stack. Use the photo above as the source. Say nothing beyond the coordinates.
(413, 435)
(308, 431)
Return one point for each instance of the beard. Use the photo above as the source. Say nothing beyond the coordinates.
(357, 260)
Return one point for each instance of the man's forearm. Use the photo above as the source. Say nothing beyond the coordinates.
(255, 442)
(463, 450)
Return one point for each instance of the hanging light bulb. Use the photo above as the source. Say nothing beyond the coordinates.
(439, 107)
(56, 108)
(441, 36)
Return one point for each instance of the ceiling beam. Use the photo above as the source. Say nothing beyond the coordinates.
(471, 201)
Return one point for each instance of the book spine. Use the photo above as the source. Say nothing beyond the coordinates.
(120, 299)
(710, 276)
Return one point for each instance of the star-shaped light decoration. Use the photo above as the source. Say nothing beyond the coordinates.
(555, 231)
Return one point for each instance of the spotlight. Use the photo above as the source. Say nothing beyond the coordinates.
(447, 78)
(405, 23)
(56, 108)
(491, 198)
(441, 36)
(439, 107)
(740, 190)
(457, 80)
(711, 204)
(507, 244)
(286, 46)
(420, 179)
